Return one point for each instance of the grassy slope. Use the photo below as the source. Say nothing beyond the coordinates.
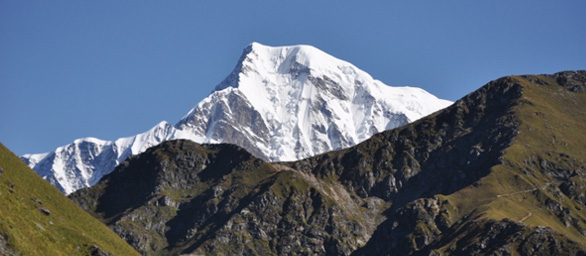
(553, 122)
(67, 230)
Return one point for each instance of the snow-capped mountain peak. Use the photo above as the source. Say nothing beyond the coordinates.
(279, 103)
(297, 59)
(302, 102)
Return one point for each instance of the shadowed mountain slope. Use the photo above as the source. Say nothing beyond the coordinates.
(181, 197)
(526, 198)
(499, 172)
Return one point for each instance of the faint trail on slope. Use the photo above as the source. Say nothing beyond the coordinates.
(525, 191)
(526, 216)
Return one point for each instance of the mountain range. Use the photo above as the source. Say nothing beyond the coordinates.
(499, 172)
(279, 103)
(299, 153)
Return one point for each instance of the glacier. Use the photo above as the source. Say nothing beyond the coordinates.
(279, 103)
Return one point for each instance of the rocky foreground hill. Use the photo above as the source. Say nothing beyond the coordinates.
(500, 172)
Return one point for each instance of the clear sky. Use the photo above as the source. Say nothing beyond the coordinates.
(109, 69)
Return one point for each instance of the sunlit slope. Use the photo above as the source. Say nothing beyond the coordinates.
(542, 181)
(36, 219)
(537, 194)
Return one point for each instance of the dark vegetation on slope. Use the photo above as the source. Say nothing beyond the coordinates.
(499, 172)
(36, 219)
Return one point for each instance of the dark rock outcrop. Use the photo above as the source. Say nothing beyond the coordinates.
(181, 197)
(4, 248)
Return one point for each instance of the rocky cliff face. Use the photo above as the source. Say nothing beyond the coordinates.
(500, 172)
(219, 199)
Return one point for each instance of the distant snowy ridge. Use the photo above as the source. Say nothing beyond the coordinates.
(85, 161)
(279, 103)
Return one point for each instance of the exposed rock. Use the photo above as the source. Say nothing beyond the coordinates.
(45, 211)
(242, 205)
(573, 80)
(97, 251)
(4, 246)
(507, 237)
(468, 180)
(34, 199)
(438, 154)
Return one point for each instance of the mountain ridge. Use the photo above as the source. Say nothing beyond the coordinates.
(500, 172)
(280, 103)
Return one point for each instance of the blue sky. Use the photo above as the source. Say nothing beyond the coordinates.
(109, 69)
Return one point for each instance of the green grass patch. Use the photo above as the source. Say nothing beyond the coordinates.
(66, 230)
